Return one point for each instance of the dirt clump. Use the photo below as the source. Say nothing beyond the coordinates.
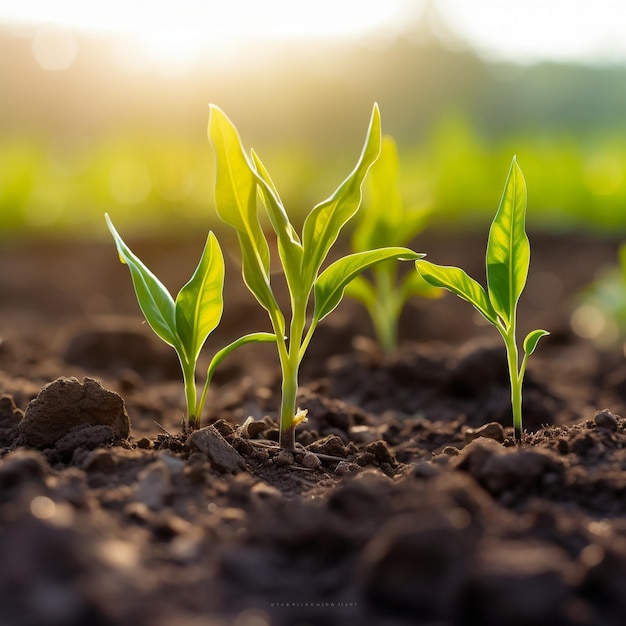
(65, 405)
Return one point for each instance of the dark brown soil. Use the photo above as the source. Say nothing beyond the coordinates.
(406, 502)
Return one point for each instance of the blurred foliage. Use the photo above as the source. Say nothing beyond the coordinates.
(385, 220)
(152, 184)
(599, 312)
(101, 137)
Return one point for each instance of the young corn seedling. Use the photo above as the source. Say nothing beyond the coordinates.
(239, 180)
(185, 323)
(384, 220)
(508, 260)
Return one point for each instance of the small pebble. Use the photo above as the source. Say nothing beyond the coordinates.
(605, 419)
(310, 461)
(492, 430)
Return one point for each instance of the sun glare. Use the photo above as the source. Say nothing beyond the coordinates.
(224, 19)
(174, 35)
(150, 35)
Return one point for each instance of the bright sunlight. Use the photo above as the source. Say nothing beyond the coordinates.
(209, 25)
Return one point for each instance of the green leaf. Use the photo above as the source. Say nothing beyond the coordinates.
(532, 339)
(224, 352)
(330, 285)
(289, 246)
(458, 282)
(322, 226)
(235, 200)
(275, 209)
(200, 302)
(508, 248)
(154, 299)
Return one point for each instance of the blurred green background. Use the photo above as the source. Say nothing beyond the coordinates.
(106, 131)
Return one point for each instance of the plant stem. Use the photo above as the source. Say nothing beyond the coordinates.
(288, 405)
(516, 381)
(189, 379)
(290, 363)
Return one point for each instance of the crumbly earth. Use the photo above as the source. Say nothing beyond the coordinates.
(406, 502)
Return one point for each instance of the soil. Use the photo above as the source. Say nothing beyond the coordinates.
(406, 502)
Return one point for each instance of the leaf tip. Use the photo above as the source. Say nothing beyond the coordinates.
(215, 115)
(375, 124)
(110, 226)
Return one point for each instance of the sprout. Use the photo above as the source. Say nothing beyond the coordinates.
(185, 323)
(508, 260)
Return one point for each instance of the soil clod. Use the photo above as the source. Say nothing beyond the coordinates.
(219, 452)
(66, 404)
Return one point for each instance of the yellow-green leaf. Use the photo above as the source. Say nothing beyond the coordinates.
(241, 341)
(532, 339)
(508, 248)
(154, 299)
(330, 285)
(200, 302)
(458, 282)
(235, 201)
(289, 246)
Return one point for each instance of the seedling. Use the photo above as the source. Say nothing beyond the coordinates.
(508, 260)
(384, 220)
(185, 323)
(238, 180)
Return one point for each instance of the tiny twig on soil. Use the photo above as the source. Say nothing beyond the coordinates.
(163, 429)
(319, 455)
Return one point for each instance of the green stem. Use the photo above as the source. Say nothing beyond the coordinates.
(307, 339)
(189, 379)
(290, 364)
(288, 404)
(516, 381)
